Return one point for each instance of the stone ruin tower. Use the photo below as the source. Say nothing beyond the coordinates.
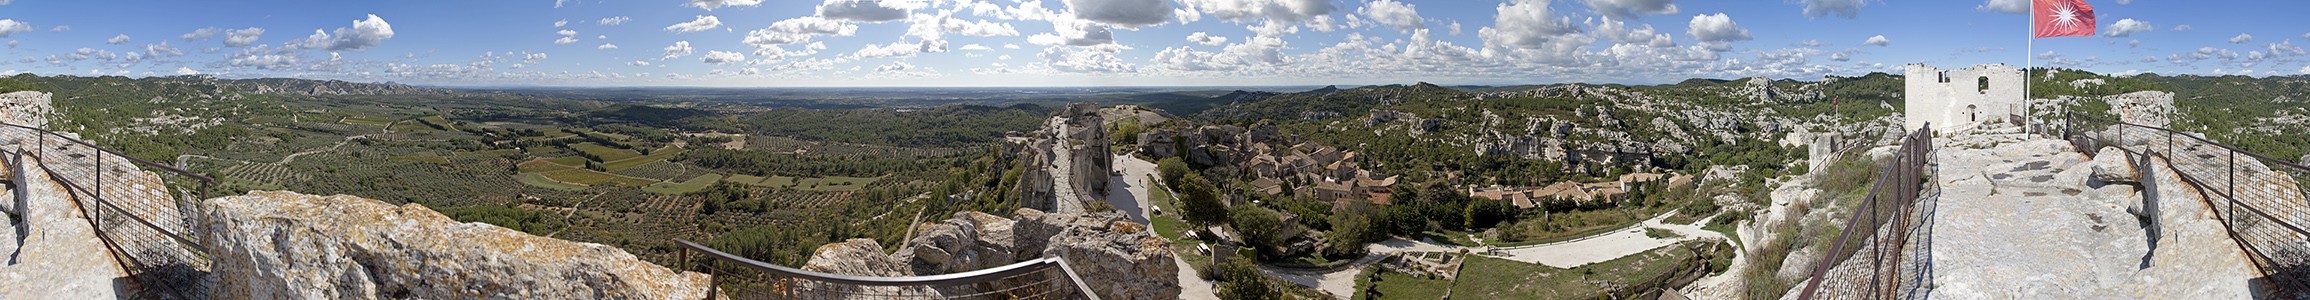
(1983, 94)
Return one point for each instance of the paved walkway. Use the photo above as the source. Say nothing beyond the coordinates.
(1340, 282)
(1128, 192)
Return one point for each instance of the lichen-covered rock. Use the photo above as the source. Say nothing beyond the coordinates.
(1117, 258)
(285, 245)
(969, 241)
(861, 257)
(1121, 261)
(1114, 257)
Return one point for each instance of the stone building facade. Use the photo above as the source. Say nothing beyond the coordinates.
(1989, 93)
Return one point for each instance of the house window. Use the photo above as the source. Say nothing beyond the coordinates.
(1983, 85)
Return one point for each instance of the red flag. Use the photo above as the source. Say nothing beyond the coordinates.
(2062, 18)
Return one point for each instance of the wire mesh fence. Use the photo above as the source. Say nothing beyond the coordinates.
(140, 220)
(2259, 199)
(1882, 221)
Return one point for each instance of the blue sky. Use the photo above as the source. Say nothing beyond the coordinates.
(1117, 42)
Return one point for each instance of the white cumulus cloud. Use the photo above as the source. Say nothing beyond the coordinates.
(1631, 9)
(1207, 39)
(363, 35)
(1394, 14)
(2004, 6)
(1717, 31)
(1246, 11)
(1124, 13)
(606, 46)
(198, 34)
(796, 30)
(117, 39)
(722, 57)
(1842, 8)
(678, 50)
(243, 37)
(613, 20)
(1532, 24)
(2241, 38)
(1878, 40)
(2127, 27)
(865, 10)
(700, 24)
(976, 47)
(186, 71)
(10, 26)
(710, 5)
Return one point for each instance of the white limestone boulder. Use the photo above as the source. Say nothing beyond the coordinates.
(2110, 166)
(285, 245)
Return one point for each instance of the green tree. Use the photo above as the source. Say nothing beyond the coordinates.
(1239, 279)
(1353, 224)
(1260, 228)
(1201, 201)
(1172, 168)
(1488, 213)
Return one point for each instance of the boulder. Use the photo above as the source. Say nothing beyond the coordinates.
(862, 257)
(1799, 264)
(274, 245)
(2110, 165)
(969, 241)
(1116, 258)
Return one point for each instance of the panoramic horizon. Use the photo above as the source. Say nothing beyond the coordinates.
(1152, 43)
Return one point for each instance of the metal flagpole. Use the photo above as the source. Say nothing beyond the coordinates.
(2029, 55)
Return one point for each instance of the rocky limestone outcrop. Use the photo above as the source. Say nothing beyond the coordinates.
(2110, 165)
(854, 257)
(28, 108)
(2151, 108)
(1114, 257)
(1118, 258)
(275, 245)
(1068, 160)
(969, 241)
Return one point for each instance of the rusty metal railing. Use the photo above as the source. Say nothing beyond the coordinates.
(147, 238)
(743, 278)
(1890, 202)
(2260, 199)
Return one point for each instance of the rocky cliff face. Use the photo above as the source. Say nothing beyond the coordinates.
(276, 245)
(1114, 257)
(1068, 161)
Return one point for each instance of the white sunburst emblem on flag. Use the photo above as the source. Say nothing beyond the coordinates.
(2065, 17)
